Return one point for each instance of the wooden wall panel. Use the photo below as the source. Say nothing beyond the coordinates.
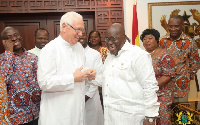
(26, 28)
(105, 12)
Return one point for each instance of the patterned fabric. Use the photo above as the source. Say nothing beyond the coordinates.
(165, 109)
(23, 90)
(185, 53)
(104, 52)
(163, 65)
(4, 113)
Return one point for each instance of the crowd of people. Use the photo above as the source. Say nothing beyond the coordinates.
(56, 83)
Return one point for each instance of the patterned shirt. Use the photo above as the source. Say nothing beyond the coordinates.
(4, 113)
(185, 53)
(104, 52)
(163, 65)
(23, 90)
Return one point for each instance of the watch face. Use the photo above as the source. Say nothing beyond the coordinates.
(150, 120)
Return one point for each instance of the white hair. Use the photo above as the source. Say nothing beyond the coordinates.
(70, 18)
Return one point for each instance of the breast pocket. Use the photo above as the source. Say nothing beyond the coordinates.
(122, 70)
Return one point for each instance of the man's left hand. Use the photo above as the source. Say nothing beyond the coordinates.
(91, 74)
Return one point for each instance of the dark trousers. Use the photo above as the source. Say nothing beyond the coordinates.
(34, 122)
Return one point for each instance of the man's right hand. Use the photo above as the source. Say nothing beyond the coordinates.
(79, 76)
(8, 45)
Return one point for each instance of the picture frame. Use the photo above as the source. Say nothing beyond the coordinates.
(157, 10)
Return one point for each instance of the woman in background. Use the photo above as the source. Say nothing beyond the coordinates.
(4, 111)
(163, 65)
(94, 41)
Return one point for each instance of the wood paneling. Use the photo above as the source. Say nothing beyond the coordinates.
(104, 12)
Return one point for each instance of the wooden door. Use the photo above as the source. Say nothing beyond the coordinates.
(28, 23)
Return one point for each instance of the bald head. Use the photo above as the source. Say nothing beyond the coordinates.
(115, 38)
(116, 28)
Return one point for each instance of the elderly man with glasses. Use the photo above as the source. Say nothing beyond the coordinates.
(62, 74)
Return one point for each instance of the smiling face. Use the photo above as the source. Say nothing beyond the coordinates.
(41, 39)
(14, 36)
(115, 38)
(176, 26)
(72, 33)
(149, 43)
(83, 40)
(94, 39)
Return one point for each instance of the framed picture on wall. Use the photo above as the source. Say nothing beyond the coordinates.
(159, 13)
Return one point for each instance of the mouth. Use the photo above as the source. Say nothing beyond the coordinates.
(16, 43)
(43, 44)
(147, 45)
(111, 48)
(173, 33)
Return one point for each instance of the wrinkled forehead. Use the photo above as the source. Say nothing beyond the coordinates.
(11, 31)
(112, 32)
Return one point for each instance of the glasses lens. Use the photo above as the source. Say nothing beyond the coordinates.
(106, 39)
(112, 39)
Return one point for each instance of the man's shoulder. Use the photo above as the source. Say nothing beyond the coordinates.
(32, 50)
(137, 50)
(93, 51)
(31, 55)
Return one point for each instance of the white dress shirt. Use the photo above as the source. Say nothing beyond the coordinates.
(63, 100)
(93, 108)
(129, 87)
(35, 51)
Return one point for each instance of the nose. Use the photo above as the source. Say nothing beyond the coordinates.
(80, 33)
(14, 38)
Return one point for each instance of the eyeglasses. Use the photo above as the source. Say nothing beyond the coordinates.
(112, 39)
(76, 30)
(10, 37)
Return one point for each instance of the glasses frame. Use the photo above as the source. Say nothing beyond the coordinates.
(76, 30)
(17, 36)
(109, 39)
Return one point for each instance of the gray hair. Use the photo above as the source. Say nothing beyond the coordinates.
(3, 37)
(70, 18)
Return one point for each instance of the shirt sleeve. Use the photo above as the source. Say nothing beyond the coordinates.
(194, 60)
(7, 62)
(48, 79)
(97, 66)
(146, 77)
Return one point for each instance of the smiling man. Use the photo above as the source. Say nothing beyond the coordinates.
(61, 77)
(19, 69)
(128, 82)
(41, 39)
(184, 51)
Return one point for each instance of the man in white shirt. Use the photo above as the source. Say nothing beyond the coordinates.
(41, 39)
(93, 108)
(61, 77)
(128, 82)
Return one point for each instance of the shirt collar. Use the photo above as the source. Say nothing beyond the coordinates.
(125, 47)
(24, 52)
(62, 41)
(37, 48)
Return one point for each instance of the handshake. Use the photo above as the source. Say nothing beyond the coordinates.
(80, 76)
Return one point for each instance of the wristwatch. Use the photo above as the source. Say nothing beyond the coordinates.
(150, 120)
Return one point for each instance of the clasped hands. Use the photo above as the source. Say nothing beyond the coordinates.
(80, 76)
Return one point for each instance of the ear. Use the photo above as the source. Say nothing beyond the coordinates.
(64, 27)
